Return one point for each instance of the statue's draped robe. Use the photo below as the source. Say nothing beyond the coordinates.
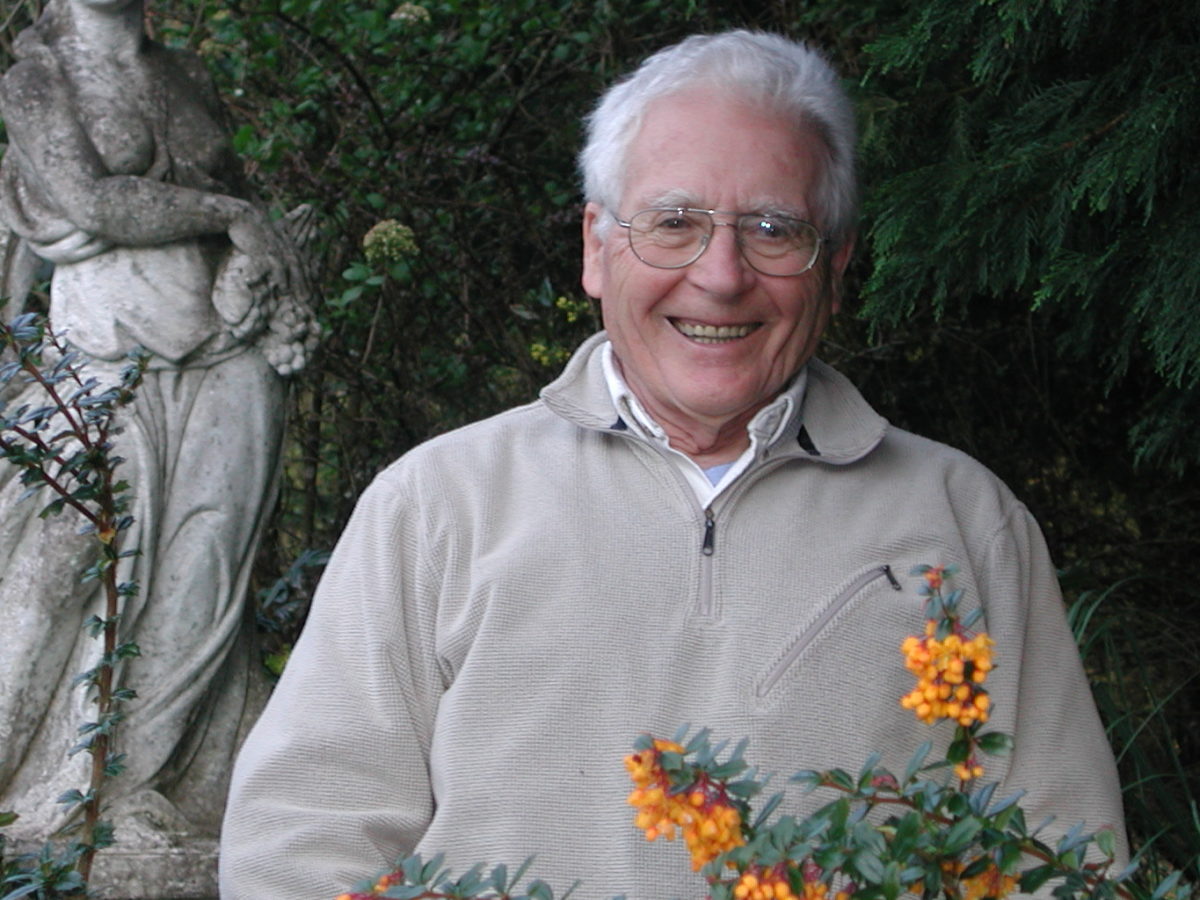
(200, 447)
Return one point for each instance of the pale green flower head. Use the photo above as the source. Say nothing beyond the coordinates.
(388, 242)
(410, 12)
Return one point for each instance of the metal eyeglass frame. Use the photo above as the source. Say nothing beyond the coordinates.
(707, 239)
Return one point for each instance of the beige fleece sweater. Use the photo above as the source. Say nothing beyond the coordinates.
(513, 602)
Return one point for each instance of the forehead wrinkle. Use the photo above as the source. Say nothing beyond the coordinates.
(673, 198)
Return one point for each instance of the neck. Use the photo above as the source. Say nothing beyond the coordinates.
(116, 33)
(707, 441)
(709, 445)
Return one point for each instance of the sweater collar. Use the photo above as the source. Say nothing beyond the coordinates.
(829, 422)
(768, 426)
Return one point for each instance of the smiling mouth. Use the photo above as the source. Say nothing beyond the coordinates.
(714, 334)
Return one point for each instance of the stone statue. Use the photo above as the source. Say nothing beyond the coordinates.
(120, 172)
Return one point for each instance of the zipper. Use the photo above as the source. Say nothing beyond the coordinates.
(707, 545)
(705, 603)
(802, 642)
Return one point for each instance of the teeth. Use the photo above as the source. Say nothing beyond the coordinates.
(712, 334)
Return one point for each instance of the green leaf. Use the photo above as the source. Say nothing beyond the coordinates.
(499, 878)
(891, 881)
(869, 867)
(961, 834)
(810, 778)
(404, 891)
(471, 882)
(768, 808)
(995, 743)
(1033, 879)
(1167, 885)
(976, 867)
(867, 773)
(908, 829)
(916, 761)
(840, 778)
(958, 751)
(23, 892)
(1073, 839)
(1005, 803)
(411, 866)
(743, 789)
(72, 797)
(430, 869)
(698, 741)
(672, 762)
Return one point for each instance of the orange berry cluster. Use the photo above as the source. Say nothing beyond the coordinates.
(760, 883)
(757, 883)
(710, 824)
(950, 674)
(968, 770)
(381, 885)
(990, 883)
(818, 890)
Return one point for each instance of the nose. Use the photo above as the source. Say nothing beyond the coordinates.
(721, 270)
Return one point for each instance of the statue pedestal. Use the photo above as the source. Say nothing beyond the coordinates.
(184, 872)
(153, 859)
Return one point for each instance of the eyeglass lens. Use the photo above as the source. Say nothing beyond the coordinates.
(674, 238)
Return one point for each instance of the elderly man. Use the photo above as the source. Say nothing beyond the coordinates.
(697, 522)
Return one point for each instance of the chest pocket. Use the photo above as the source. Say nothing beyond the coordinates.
(868, 617)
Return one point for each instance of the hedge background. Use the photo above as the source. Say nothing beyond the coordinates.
(1025, 287)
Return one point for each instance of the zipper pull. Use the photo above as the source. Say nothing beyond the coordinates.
(887, 570)
(709, 533)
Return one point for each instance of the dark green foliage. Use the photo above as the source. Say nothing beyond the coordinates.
(1025, 287)
(1038, 154)
(1029, 224)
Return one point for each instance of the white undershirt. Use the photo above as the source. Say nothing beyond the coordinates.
(764, 429)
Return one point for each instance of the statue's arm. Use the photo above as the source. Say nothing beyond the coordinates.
(56, 153)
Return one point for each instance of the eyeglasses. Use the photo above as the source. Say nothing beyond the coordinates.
(675, 237)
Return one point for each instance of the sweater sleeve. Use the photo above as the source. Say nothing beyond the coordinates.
(1061, 758)
(333, 782)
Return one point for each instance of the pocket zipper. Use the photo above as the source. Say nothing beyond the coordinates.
(802, 642)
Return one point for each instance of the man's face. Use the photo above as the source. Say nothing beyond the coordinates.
(711, 152)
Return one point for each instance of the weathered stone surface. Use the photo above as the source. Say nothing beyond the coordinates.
(120, 173)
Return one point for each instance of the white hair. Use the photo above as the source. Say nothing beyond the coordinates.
(785, 76)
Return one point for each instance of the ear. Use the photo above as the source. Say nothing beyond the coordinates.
(837, 268)
(593, 251)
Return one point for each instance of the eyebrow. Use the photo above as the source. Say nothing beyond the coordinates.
(680, 199)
